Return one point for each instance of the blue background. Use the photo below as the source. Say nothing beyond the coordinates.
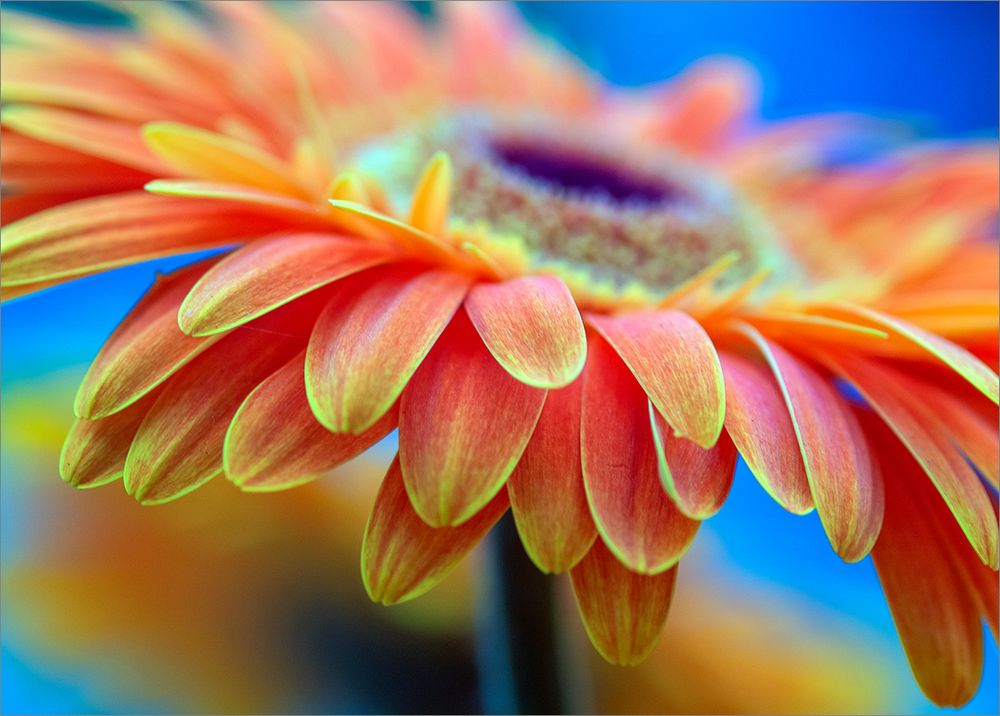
(934, 64)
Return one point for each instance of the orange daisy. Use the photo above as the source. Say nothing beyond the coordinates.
(574, 303)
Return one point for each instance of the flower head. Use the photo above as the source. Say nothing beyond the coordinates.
(574, 303)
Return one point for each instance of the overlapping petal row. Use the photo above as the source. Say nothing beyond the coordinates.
(611, 432)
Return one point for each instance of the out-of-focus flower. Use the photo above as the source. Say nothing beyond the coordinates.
(235, 604)
(578, 303)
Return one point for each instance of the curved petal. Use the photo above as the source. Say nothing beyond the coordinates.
(546, 490)
(206, 155)
(274, 441)
(94, 450)
(179, 444)
(759, 425)
(402, 556)
(108, 139)
(675, 362)
(916, 425)
(935, 613)
(958, 359)
(463, 424)
(635, 517)
(145, 349)
(433, 196)
(848, 495)
(372, 337)
(696, 479)
(269, 273)
(623, 611)
(532, 327)
(296, 208)
(90, 235)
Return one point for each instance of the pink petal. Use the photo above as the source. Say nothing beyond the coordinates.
(848, 495)
(532, 327)
(546, 489)
(274, 441)
(675, 362)
(696, 479)
(914, 421)
(761, 428)
(372, 337)
(402, 556)
(623, 611)
(635, 517)
(463, 424)
(269, 273)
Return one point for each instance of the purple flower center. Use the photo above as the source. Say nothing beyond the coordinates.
(579, 174)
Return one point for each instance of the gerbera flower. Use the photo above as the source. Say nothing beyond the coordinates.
(577, 304)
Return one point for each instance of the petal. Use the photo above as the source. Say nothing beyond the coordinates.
(179, 444)
(967, 417)
(532, 327)
(217, 157)
(98, 234)
(237, 193)
(463, 424)
(696, 479)
(372, 337)
(146, 348)
(267, 274)
(961, 361)
(546, 489)
(904, 408)
(402, 556)
(707, 103)
(675, 362)
(108, 139)
(274, 441)
(848, 496)
(623, 611)
(633, 514)
(761, 428)
(94, 450)
(433, 196)
(935, 614)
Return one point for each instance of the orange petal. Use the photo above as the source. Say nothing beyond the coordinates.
(205, 155)
(967, 417)
(848, 496)
(267, 274)
(433, 196)
(235, 192)
(635, 517)
(146, 348)
(463, 424)
(961, 361)
(914, 422)
(546, 489)
(274, 441)
(402, 556)
(83, 237)
(675, 362)
(707, 103)
(697, 480)
(179, 444)
(759, 425)
(370, 339)
(94, 450)
(119, 142)
(623, 611)
(935, 614)
(532, 327)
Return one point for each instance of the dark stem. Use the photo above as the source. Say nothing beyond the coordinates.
(524, 667)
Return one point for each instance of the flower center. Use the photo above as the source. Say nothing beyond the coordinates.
(617, 218)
